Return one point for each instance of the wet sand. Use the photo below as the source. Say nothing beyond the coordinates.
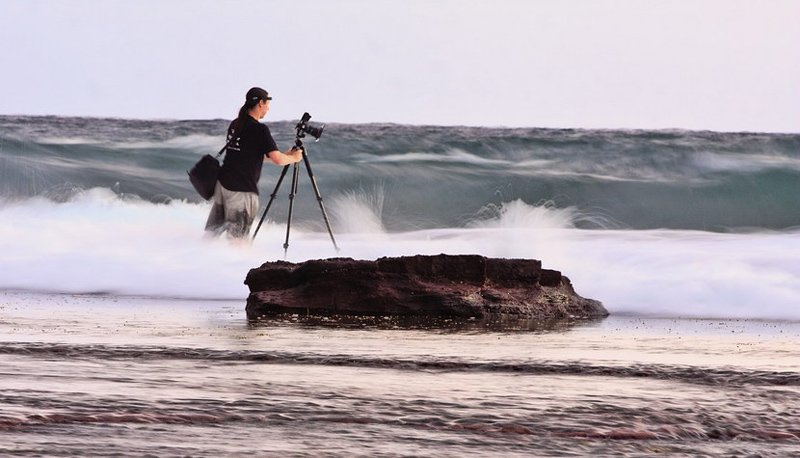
(98, 375)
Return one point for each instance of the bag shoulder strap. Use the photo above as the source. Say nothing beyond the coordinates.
(228, 143)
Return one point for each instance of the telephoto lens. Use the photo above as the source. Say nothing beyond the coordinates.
(315, 132)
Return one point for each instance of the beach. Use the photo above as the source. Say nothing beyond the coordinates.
(106, 375)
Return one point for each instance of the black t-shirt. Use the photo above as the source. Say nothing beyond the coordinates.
(244, 157)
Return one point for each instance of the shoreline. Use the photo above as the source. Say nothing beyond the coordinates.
(26, 295)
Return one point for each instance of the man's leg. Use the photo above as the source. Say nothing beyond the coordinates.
(216, 217)
(240, 213)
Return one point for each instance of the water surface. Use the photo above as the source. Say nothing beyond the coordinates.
(100, 375)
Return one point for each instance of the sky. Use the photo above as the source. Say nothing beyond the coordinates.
(727, 65)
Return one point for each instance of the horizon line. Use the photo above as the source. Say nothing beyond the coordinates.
(395, 123)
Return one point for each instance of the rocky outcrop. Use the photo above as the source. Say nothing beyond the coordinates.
(443, 285)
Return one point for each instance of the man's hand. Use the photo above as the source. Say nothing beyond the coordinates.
(296, 153)
(292, 155)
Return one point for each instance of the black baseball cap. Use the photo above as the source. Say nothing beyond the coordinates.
(256, 93)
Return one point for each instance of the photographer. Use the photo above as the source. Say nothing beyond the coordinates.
(235, 201)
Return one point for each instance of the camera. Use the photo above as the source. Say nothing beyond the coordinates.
(304, 128)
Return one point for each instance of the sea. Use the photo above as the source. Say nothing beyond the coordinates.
(123, 329)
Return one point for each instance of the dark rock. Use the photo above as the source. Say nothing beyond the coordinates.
(443, 285)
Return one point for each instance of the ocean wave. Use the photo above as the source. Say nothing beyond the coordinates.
(104, 240)
(440, 176)
(745, 163)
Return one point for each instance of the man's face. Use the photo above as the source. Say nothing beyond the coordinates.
(263, 108)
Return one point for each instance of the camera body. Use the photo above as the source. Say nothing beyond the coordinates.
(303, 128)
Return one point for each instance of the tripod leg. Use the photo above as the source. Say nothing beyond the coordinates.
(271, 198)
(319, 198)
(295, 174)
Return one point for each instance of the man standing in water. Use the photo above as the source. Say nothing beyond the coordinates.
(235, 201)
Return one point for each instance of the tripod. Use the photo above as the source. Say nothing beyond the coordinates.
(298, 143)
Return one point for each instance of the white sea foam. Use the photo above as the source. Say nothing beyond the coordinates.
(200, 142)
(188, 142)
(715, 162)
(518, 214)
(454, 156)
(67, 141)
(359, 211)
(98, 242)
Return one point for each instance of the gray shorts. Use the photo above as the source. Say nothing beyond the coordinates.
(232, 211)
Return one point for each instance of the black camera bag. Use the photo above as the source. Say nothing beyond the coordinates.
(203, 175)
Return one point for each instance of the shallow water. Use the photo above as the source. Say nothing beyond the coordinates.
(105, 375)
